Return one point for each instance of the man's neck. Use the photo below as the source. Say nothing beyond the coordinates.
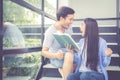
(59, 27)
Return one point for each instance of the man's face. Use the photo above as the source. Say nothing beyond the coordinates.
(66, 22)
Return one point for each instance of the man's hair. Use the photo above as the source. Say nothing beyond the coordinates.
(64, 11)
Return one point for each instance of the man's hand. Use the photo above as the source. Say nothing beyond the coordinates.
(68, 48)
(59, 54)
(108, 52)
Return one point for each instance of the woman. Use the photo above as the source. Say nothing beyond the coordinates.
(94, 56)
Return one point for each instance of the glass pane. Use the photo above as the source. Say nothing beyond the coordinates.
(21, 66)
(24, 25)
(36, 3)
(48, 22)
(50, 7)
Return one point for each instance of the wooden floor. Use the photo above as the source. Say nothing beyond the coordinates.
(17, 78)
(28, 78)
(50, 78)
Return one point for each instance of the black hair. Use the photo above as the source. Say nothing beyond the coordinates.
(64, 11)
(92, 43)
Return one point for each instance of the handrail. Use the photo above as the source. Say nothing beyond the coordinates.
(100, 19)
(21, 50)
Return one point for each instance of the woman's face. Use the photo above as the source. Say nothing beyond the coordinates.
(82, 28)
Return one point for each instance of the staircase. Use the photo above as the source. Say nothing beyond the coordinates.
(110, 34)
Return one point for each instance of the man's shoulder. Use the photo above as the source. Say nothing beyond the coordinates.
(50, 29)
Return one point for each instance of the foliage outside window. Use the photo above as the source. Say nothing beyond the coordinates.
(34, 3)
(14, 13)
(50, 7)
(26, 20)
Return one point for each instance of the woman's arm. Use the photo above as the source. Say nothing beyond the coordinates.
(106, 54)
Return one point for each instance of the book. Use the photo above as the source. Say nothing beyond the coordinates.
(65, 39)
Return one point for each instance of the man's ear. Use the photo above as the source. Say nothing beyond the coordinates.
(61, 18)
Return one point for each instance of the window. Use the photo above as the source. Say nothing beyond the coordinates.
(36, 3)
(51, 7)
(27, 24)
(22, 37)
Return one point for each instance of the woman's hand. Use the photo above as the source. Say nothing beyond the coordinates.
(69, 49)
(108, 52)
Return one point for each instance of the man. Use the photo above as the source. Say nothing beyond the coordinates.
(59, 57)
(13, 37)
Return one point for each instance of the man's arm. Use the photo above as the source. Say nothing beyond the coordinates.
(46, 53)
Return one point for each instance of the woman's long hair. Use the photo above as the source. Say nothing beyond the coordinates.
(92, 43)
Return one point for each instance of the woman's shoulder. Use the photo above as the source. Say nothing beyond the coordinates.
(102, 40)
(81, 40)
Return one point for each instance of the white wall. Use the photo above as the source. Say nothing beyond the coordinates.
(119, 13)
(91, 8)
(63, 3)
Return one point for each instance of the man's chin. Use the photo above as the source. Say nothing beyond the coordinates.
(67, 27)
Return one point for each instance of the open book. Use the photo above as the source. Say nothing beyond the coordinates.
(65, 39)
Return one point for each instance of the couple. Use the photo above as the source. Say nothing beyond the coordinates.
(92, 58)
